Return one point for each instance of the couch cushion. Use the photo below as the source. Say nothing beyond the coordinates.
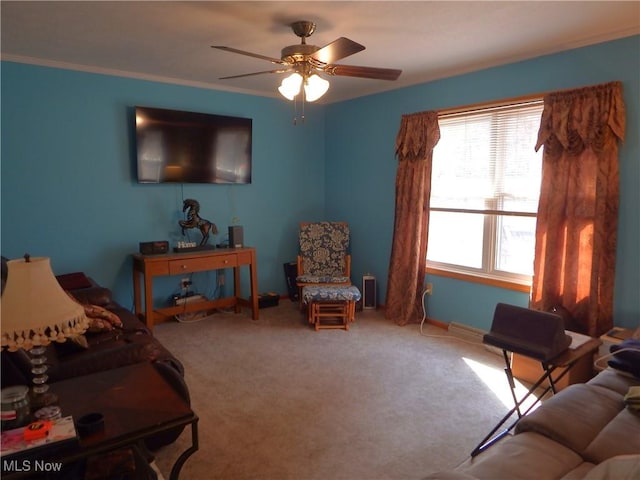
(615, 381)
(451, 475)
(626, 467)
(524, 456)
(123, 349)
(574, 416)
(621, 436)
(72, 343)
(130, 323)
(94, 295)
(73, 281)
(579, 472)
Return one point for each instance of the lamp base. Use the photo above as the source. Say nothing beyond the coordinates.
(40, 394)
(39, 400)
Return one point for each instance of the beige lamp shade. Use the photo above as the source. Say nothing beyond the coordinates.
(35, 310)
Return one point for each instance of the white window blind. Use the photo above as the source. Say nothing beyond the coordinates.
(484, 190)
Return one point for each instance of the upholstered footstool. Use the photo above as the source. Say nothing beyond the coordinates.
(331, 302)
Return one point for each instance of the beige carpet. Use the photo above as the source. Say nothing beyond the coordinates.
(278, 400)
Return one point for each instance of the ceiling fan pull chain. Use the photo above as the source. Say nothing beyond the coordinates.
(295, 111)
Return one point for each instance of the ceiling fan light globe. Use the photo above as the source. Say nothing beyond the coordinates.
(315, 87)
(290, 86)
(286, 94)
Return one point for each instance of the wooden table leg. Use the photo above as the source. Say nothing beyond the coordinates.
(148, 300)
(136, 293)
(237, 289)
(253, 277)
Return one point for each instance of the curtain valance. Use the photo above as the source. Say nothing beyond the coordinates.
(588, 117)
(418, 134)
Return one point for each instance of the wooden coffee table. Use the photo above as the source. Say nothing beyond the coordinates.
(136, 402)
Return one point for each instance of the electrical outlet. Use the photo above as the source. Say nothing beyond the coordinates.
(184, 283)
(220, 277)
(428, 287)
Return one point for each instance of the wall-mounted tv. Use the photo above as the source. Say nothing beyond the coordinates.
(187, 147)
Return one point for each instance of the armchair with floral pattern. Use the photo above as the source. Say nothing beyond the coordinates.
(324, 257)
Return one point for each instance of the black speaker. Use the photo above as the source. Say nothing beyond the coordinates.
(154, 248)
(290, 274)
(236, 237)
(368, 291)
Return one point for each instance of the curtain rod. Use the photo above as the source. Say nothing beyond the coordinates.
(514, 100)
(535, 98)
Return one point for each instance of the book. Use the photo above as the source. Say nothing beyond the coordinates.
(617, 334)
(577, 339)
(13, 441)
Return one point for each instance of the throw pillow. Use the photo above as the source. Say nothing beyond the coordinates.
(632, 399)
(101, 319)
(627, 357)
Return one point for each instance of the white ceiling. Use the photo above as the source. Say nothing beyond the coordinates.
(170, 41)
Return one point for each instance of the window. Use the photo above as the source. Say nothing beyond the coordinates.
(485, 185)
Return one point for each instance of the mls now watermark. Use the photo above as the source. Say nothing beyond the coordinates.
(30, 466)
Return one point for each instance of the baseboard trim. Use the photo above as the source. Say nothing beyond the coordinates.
(471, 334)
(438, 323)
(465, 331)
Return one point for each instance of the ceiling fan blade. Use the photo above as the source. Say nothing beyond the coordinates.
(250, 54)
(258, 73)
(340, 48)
(364, 72)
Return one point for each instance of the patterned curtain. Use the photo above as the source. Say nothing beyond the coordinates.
(577, 221)
(419, 133)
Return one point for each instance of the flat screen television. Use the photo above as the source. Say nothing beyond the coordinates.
(174, 146)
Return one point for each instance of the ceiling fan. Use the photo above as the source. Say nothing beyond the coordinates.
(305, 60)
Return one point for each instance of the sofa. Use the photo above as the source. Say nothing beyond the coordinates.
(589, 430)
(115, 338)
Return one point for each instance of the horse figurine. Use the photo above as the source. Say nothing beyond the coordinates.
(194, 221)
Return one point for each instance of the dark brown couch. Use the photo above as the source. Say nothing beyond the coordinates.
(105, 350)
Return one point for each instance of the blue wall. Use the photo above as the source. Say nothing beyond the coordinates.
(68, 176)
(68, 188)
(360, 141)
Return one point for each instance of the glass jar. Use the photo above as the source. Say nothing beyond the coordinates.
(15, 407)
(51, 412)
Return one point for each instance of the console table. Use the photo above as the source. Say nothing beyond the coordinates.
(146, 267)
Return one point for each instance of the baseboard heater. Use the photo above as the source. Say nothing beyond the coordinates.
(471, 334)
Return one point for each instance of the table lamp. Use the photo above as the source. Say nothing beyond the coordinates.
(35, 311)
